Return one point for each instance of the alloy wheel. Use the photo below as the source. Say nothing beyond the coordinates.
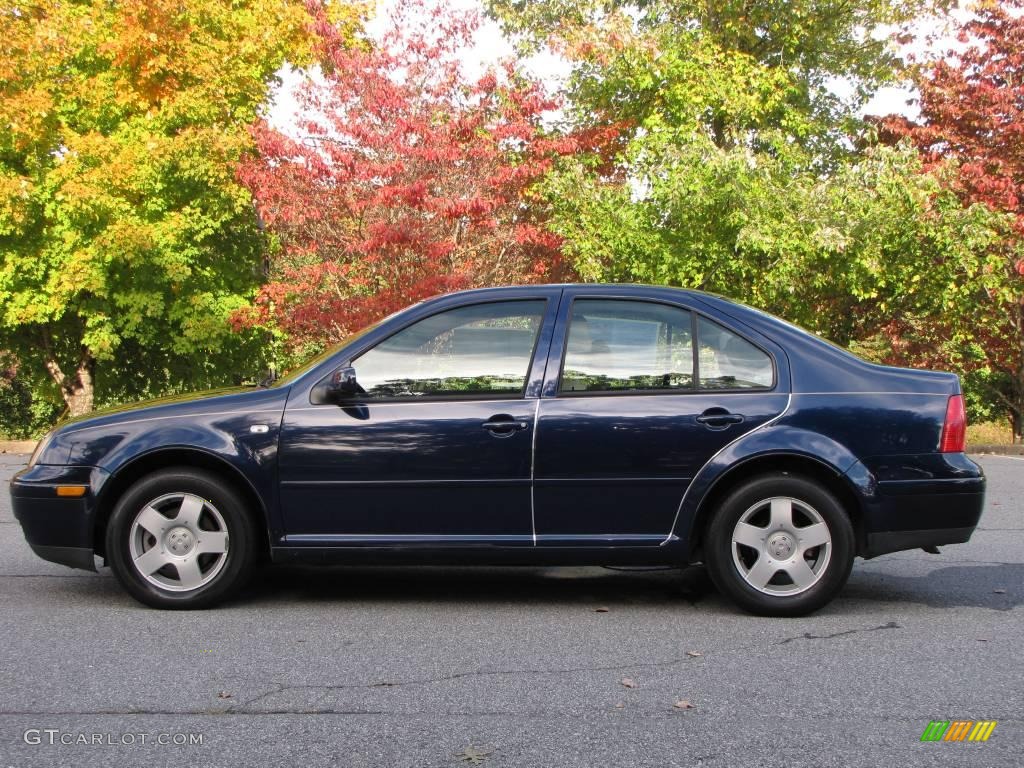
(781, 546)
(178, 542)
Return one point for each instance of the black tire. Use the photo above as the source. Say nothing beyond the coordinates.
(221, 511)
(730, 567)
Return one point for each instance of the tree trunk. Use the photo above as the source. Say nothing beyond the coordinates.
(1017, 423)
(77, 390)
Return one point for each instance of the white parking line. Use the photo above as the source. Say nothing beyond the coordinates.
(999, 456)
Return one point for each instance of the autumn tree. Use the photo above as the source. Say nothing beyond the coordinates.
(729, 107)
(125, 238)
(410, 176)
(971, 131)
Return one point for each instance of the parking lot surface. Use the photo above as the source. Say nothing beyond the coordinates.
(557, 667)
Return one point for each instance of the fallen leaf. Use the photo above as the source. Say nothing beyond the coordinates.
(602, 609)
(999, 591)
(223, 695)
(628, 682)
(473, 755)
(620, 705)
(683, 704)
(694, 654)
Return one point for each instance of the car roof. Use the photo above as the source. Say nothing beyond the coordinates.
(638, 288)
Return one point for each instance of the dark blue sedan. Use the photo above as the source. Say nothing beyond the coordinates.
(575, 424)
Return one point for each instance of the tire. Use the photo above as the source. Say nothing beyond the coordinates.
(780, 545)
(181, 538)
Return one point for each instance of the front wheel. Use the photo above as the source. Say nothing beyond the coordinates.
(780, 546)
(181, 538)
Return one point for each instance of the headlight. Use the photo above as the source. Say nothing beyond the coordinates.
(42, 446)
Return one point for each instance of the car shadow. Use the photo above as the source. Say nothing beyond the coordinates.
(944, 588)
(949, 587)
(555, 585)
(953, 586)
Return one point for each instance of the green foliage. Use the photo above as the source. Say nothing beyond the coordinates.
(23, 414)
(726, 69)
(742, 173)
(841, 254)
(126, 241)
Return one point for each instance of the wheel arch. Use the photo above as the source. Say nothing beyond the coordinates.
(127, 474)
(780, 463)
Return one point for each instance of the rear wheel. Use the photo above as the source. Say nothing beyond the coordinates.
(181, 538)
(780, 546)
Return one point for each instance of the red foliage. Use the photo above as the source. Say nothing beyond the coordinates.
(414, 179)
(972, 109)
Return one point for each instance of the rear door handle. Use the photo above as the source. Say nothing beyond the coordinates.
(719, 418)
(503, 424)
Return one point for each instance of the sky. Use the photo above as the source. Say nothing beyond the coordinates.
(491, 46)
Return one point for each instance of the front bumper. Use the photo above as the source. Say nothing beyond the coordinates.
(58, 529)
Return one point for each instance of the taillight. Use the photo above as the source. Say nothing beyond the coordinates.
(954, 429)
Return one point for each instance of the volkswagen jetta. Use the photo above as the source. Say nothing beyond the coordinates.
(563, 424)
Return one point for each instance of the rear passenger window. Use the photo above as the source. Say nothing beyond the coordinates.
(621, 345)
(727, 361)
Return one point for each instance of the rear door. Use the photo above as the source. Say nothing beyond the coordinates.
(645, 394)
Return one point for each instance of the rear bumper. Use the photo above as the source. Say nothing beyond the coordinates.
(57, 529)
(924, 511)
(895, 541)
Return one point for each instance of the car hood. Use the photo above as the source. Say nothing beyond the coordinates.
(90, 439)
(203, 402)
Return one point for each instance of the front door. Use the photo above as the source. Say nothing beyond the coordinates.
(638, 410)
(438, 447)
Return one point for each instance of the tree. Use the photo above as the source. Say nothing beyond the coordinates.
(971, 130)
(726, 70)
(742, 172)
(122, 225)
(413, 178)
(723, 101)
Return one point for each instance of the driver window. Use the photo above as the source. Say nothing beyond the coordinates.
(483, 349)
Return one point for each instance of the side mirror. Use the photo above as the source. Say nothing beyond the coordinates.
(342, 384)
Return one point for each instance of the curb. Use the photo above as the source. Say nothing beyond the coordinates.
(999, 450)
(17, 446)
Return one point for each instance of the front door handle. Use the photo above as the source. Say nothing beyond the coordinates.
(503, 424)
(719, 418)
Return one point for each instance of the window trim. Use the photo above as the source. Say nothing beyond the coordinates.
(694, 390)
(477, 397)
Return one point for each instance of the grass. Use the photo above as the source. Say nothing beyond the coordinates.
(989, 433)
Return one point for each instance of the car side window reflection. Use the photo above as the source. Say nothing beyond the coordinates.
(483, 349)
(618, 345)
(727, 361)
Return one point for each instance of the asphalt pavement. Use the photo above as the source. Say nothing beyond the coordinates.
(519, 666)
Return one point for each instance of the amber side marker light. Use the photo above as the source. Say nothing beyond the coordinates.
(71, 490)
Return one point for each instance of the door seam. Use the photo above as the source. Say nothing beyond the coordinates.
(533, 459)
